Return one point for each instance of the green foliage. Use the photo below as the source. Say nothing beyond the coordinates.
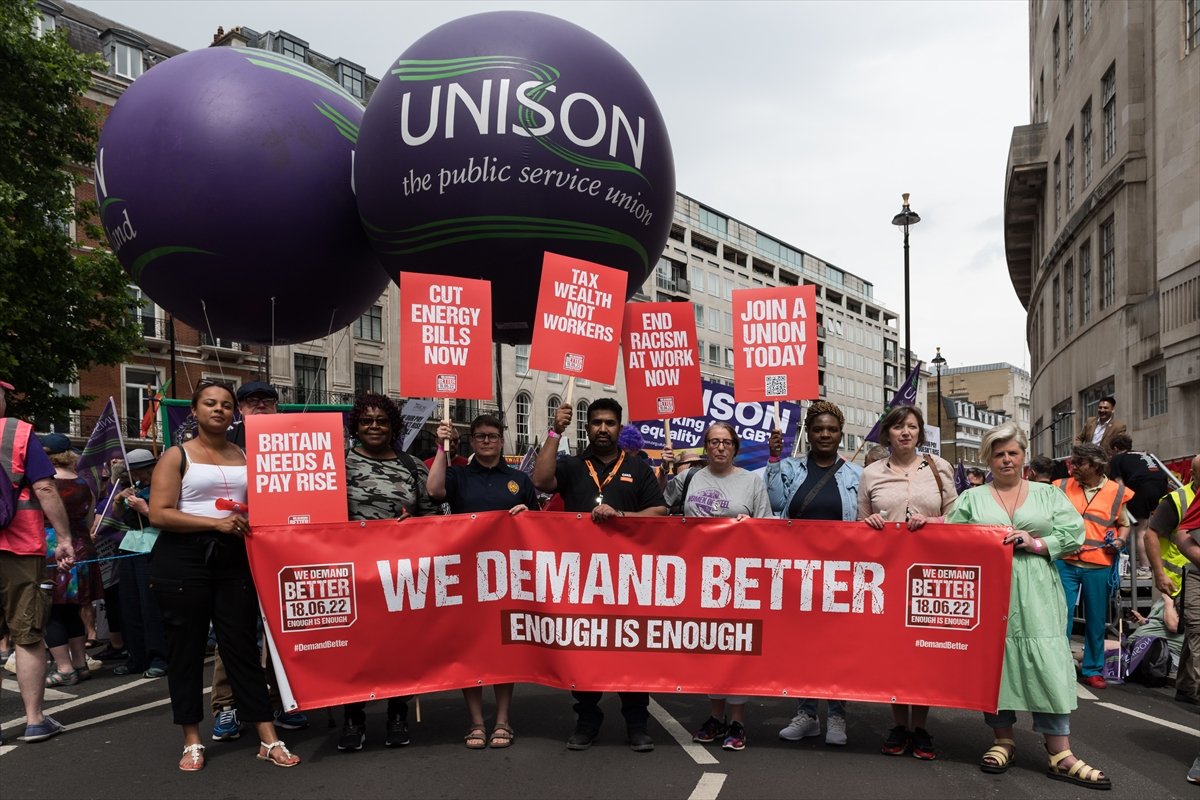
(61, 310)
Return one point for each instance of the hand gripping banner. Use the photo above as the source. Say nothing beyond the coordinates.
(365, 610)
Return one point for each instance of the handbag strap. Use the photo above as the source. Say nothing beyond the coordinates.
(817, 489)
(937, 477)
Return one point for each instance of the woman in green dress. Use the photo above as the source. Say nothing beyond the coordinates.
(1039, 672)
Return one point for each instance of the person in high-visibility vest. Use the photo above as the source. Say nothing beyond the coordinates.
(1187, 538)
(1101, 503)
(1165, 559)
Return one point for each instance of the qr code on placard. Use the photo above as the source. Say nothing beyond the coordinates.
(572, 362)
(776, 386)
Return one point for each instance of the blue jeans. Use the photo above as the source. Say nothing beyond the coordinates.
(1094, 585)
(808, 705)
(1043, 723)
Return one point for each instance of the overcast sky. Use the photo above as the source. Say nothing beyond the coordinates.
(806, 120)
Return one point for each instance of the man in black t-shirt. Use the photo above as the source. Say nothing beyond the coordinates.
(1141, 473)
(605, 483)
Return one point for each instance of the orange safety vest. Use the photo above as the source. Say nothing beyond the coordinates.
(26, 535)
(1112, 496)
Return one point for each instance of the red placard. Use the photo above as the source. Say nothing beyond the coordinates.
(775, 343)
(662, 376)
(655, 604)
(578, 326)
(296, 468)
(445, 337)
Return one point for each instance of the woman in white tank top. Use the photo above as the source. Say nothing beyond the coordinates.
(200, 573)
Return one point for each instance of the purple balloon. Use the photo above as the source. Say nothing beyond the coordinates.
(499, 136)
(223, 177)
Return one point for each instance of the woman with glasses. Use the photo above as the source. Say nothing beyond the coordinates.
(719, 490)
(816, 485)
(485, 484)
(382, 482)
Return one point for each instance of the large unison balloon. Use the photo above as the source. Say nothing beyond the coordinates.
(499, 136)
(223, 177)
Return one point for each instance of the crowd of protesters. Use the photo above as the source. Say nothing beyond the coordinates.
(183, 571)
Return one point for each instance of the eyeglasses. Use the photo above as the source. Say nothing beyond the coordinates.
(374, 422)
(486, 437)
(261, 402)
(719, 442)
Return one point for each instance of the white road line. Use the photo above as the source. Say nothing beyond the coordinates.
(1172, 725)
(709, 786)
(51, 694)
(1084, 694)
(698, 752)
(82, 700)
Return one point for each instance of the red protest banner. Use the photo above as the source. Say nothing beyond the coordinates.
(662, 377)
(445, 337)
(665, 604)
(577, 329)
(295, 468)
(775, 343)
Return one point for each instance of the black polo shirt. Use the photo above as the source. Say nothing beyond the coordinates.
(632, 488)
(474, 487)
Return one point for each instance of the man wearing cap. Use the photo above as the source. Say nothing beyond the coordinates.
(24, 605)
(141, 619)
(255, 397)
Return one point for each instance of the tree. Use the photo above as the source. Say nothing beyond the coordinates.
(62, 309)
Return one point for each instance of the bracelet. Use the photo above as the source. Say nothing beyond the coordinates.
(553, 434)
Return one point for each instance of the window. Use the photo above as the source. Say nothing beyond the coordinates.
(1108, 264)
(1191, 26)
(714, 355)
(581, 439)
(1085, 140)
(1061, 429)
(1090, 398)
(671, 276)
(522, 357)
(727, 318)
(1057, 61)
(552, 404)
(523, 405)
(1070, 148)
(136, 398)
(1069, 18)
(1055, 323)
(368, 378)
(728, 358)
(145, 312)
(697, 280)
(713, 222)
(1156, 392)
(1108, 93)
(699, 315)
(292, 48)
(726, 289)
(351, 79)
(1085, 281)
(1087, 16)
(126, 60)
(310, 378)
(370, 324)
(43, 23)
(1069, 297)
(1057, 189)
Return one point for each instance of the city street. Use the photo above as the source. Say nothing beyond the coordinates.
(120, 743)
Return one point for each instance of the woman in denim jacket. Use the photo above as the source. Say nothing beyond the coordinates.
(816, 485)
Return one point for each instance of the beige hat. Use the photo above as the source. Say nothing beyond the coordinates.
(689, 456)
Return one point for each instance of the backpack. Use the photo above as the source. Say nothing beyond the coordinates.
(1155, 665)
(9, 494)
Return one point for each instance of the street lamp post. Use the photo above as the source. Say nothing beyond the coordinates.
(904, 219)
(939, 362)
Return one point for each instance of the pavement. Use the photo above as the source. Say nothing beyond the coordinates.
(120, 743)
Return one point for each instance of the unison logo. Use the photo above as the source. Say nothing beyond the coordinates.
(578, 127)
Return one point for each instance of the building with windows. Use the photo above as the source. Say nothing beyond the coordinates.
(1102, 219)
(974, 399)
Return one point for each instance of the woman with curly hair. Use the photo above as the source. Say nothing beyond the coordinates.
(816, 485)
(382, 482)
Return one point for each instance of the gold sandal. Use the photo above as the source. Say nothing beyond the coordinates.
(1001, 759)
(1078, 773)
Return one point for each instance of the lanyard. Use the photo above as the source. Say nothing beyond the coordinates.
(596, 478)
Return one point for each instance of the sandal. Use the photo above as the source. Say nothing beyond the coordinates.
(997, 759)
(56, 678)
(503, 735)
(82, 673)
(1078, 773)
(193, 758)
(289, 760)
(476, 737)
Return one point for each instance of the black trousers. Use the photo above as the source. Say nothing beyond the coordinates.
(635, 707)
(142, 626)
(198, 578)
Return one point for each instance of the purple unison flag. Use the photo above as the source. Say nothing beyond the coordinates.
(109, 530)
(103, 446)
(906, 395)
(961, 484)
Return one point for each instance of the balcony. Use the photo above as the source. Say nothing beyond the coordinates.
(1024, 190)
(303, 395)
(223, 349)
(155, 331)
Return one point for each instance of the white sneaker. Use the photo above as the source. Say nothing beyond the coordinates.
(802, 726)
(835, 731)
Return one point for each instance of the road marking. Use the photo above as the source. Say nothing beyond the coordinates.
(1084, 694)
(709, 786)
(1172, 725)
(52, 694)
(82, 700)
(698, 752)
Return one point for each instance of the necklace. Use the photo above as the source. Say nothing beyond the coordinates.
(919, 462)
(213, 456)
(1011, 512)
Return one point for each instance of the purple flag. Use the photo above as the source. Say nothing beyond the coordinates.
(906, 395)
(961, 484)
(103, 446)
